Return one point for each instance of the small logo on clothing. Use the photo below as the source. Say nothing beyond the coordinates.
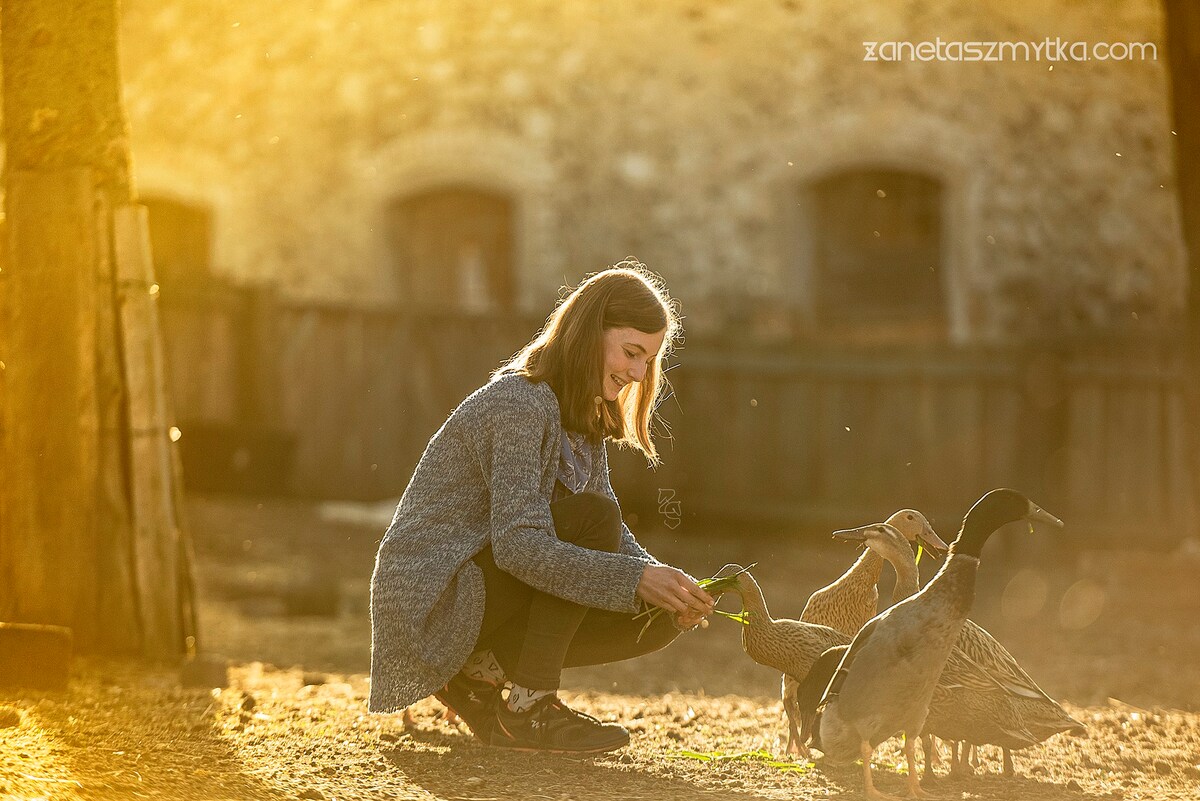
(669, 508)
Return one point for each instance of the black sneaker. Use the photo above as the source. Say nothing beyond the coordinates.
(551, 725)
(473, 701)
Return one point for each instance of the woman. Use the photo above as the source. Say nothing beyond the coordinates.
(507, 559)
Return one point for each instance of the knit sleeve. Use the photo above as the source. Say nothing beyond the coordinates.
(523, 540)
(629, 543)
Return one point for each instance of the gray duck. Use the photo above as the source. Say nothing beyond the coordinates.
(885, 542)
(885, 681)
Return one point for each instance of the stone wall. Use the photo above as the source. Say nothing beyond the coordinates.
(683, 133)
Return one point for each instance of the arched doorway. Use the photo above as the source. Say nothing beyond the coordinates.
(453, 250)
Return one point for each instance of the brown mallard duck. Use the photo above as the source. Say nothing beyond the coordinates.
(1037, 715)
(970, 707)
(789, 646)
(853, 599)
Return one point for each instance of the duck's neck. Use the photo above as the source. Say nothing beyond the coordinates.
(973, 536)
(908, 578)
(955, 583)
(864, 573)
(752, 598)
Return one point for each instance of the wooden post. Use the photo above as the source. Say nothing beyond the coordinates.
(1182, 21)
(51, 417)
(159, 558)
(68, 554)
(116, 591)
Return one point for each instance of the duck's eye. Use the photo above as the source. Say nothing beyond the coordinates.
(908, 517)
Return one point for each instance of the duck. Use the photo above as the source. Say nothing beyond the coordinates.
(971, 699)
(887, 541)
(969, 706)
(1039, 715)
(853, 599)
(983, 696)
(789, 646)
(885, 681)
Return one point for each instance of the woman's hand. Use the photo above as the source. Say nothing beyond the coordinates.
(675, 591)
(687, 621)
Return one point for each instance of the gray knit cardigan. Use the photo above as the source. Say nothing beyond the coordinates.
(486, 476)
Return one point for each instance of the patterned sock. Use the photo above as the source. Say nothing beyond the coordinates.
(522, 698)
(482, 666)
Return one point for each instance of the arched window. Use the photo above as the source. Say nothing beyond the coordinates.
(453, 249)
(181, 241)
(878, 253)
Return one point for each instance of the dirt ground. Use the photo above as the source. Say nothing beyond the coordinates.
(1115, 635)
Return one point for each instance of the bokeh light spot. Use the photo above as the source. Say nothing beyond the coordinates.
(1025, 595)
(1081, 604)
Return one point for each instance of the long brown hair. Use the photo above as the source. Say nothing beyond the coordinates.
(568, 354)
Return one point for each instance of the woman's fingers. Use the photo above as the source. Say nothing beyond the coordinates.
(706, 601)
(674, 590)
(673, 603)
(694, 596)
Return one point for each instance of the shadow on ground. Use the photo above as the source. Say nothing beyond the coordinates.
(469, 770)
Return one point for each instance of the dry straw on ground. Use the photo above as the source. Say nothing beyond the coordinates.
(706, 722)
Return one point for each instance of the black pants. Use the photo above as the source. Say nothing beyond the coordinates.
(535, 635)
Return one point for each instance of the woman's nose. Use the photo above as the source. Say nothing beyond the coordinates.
(638, 371)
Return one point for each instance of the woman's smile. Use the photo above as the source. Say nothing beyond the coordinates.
(628, 354)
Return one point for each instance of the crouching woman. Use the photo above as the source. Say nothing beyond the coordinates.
(507, 559)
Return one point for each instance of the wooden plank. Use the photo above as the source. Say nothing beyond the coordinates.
(1148, 456)
(960, 447)
(797, 458)
(156, 548)
(1002, 416)
(1123, 429)
(51, 419)
(845, 448)
(928, 464)
(357, 421)
(708, 466)
(7, 599)
(295, 329)
(318, 456)
(117, 595)
(739, 455)
(1087, 486)
(1179, 468)
(897, 446)
(772, 404)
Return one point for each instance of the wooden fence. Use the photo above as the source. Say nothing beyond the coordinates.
(816, 435)
(838, 437)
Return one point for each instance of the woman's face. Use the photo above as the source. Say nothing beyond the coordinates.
(628, 353)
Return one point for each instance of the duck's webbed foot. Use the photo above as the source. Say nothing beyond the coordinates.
(866, 751)
(796, 748)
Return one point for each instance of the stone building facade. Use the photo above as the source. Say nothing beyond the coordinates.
(481, 154)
